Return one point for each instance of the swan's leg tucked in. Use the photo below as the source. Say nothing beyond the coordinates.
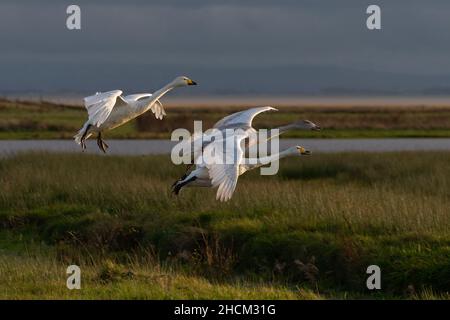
(180, 184)
(101, 143)
(83, 138)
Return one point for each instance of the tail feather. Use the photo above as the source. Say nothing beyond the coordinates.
(80, 134)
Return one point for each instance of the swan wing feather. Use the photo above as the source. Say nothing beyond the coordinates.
(136, 97)
(158, 109)
(241, 118)
(224, 175)
(100, 105)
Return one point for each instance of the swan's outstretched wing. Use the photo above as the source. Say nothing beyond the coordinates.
(100, 105)
(225, 172)
(241, 119)
(157, 107)
(136, 97)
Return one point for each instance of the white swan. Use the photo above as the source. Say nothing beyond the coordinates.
(224, 174)
(109, 110)
(241, 120)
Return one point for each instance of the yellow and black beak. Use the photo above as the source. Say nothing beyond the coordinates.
(191, 82)
(304, 151)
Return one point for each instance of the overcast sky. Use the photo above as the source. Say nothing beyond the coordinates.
(254, 46)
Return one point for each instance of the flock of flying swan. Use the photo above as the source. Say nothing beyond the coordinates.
(108, 110)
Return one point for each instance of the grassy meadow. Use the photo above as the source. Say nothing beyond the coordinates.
(44, 120)
(307, 233)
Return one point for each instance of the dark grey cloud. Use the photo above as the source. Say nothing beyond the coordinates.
(232, 46)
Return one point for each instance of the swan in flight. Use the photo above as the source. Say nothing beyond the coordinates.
(241, 120)
(108, 110)
(224, 175)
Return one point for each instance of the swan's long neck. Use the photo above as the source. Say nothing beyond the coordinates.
(253, 163)
(282, 130)
(146, 104)
(287, 127)
(159, 93)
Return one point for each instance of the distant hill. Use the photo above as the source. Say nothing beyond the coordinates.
(315, 80)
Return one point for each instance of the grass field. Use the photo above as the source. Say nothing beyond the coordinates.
(31, 120)
(308, 233)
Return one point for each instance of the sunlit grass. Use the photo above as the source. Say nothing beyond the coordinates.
(45, 278)
(316, 225)
(32, 120)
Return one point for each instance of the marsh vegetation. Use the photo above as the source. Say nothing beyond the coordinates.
(32, 120)
(308, 232)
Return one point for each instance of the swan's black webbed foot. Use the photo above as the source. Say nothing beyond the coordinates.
(101, 143)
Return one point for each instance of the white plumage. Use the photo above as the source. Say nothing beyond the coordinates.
(225, 172)
(108, 110)
(100, 105)
(242, 120)
(223, 160)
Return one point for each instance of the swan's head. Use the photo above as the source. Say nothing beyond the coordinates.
(302, 151)
(183, 81)
(306, 125)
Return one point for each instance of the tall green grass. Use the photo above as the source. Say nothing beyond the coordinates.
(45, 278)
(316, 225)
